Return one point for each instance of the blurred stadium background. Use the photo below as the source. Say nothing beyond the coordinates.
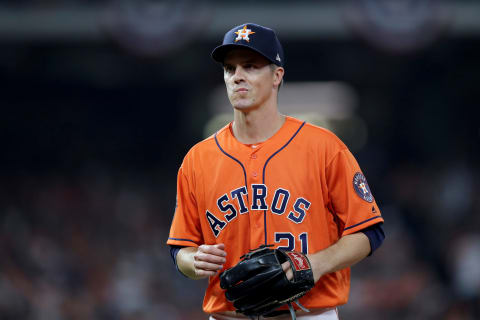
(100, 101)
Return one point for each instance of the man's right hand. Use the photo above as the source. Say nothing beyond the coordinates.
(201, 262)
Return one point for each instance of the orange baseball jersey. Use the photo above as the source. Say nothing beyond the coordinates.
(300, 190)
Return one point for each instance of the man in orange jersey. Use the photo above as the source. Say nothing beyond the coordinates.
(267, 178)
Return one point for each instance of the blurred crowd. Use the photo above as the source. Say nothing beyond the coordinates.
(92, 246)
(428, 267)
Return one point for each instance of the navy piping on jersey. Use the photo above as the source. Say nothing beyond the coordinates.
(265, 167)
(236, 160)
(179, 239)
(355, 225)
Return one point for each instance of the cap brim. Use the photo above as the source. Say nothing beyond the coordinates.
(219, 53)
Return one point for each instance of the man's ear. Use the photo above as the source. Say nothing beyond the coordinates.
(278, 75)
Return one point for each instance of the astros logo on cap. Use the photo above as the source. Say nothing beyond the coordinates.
(243, 34)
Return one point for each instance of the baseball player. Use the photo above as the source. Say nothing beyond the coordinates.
(267, 178)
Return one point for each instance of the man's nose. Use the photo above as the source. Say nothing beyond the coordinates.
(239, 74)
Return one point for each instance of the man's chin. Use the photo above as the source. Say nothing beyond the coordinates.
(243, 106)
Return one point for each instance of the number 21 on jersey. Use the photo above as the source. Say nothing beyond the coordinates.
(303, 237)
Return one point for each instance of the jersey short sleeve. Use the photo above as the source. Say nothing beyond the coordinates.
(351, 199)
(186, 228)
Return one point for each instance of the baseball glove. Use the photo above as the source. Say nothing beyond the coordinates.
(257, 285)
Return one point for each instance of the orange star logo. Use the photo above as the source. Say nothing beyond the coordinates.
(242, 34)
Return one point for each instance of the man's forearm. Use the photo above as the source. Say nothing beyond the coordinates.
(347, 251)
(185, 262)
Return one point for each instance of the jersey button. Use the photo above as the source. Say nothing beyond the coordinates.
(253, 156)
(254, 174)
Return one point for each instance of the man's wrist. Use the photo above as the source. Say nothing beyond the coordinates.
(320, 264)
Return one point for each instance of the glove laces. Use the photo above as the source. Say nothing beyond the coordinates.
(292, 311)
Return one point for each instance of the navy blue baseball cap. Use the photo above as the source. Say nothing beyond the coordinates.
(253, 36)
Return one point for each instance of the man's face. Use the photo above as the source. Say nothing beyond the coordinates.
(249, 79)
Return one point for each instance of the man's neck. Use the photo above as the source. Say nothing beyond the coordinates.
(257, 125)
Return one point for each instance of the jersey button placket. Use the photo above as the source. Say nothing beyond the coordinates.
(256, 219)
(255, 171)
